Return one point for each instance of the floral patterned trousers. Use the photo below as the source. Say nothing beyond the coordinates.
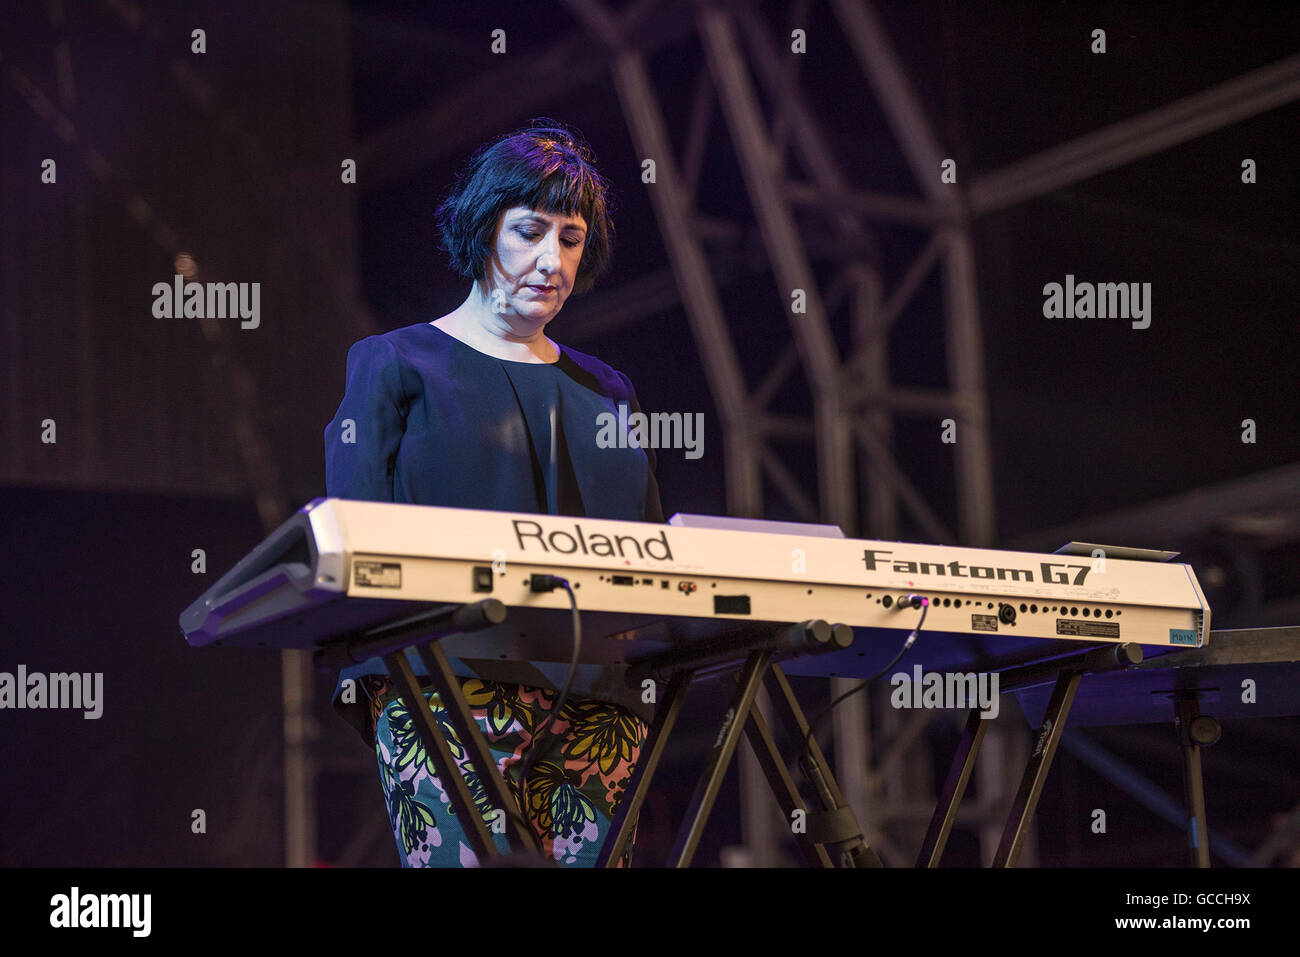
(574, 786)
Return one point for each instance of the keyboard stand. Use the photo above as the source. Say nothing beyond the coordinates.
(422, 633)
(827, 825)
(1195, 731)
(1066, 672)
(834, 824)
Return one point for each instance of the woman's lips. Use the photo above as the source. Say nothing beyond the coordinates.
(542, 290)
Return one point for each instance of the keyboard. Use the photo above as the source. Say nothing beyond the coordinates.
(337, 568)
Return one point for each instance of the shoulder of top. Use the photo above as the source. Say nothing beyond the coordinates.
(400, 341)
(601, 370)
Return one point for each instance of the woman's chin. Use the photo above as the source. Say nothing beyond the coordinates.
(533, 316)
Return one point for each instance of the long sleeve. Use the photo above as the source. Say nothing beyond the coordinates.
(362, 440)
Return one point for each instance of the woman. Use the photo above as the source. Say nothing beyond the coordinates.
(481, 409)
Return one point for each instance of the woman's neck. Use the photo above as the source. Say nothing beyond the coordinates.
(492, 334)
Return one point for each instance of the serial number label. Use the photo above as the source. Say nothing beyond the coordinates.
(377, 574)
(1089, 629)
(983, 622)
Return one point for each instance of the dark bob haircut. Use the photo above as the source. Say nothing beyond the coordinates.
(543, 166)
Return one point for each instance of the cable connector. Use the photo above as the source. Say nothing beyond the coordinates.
(540, 582)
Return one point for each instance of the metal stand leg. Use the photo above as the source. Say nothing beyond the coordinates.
(1195, 730)
(954, 788)
(706, 791)
(1040, 762)
(518, 832)
(836, 824)
(462, 802)
(783, 786)
(639, 784)
(1067, 672)
(421, 631)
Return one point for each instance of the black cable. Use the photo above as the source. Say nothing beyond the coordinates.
(544, 583)
(912, 600)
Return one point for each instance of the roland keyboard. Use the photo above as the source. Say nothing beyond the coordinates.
(339, 567)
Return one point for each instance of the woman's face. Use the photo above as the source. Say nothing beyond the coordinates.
(536, 262)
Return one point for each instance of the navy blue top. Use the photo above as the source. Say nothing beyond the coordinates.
(436, 422)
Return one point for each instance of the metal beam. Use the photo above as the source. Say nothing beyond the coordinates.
(793, 271)
(907, 119)
(965, 353)
(773, 198)
(695, 282)
(907, 287)
(905, 210)
(1258, 504)
(1139, 136)
(883, 462)
(458, 121)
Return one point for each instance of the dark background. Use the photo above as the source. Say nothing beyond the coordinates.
(167, 429)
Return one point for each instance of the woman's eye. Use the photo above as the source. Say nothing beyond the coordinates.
(531, 235)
